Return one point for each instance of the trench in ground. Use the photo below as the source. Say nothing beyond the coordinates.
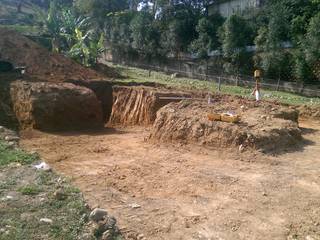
(176, 191)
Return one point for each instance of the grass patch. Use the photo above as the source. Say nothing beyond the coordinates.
(141, 75)
(30, 190)
(9, 155)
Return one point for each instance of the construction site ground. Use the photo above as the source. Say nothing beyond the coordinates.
(176, 191)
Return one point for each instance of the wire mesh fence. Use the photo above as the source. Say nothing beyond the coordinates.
(198, 72)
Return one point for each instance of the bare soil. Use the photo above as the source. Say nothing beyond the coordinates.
(39, 62)
(261, 126)
(181, 191)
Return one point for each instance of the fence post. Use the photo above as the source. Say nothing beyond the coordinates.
(278, 84)
(219, 84)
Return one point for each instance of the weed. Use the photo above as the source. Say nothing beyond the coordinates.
(29, 190)
(8, 155)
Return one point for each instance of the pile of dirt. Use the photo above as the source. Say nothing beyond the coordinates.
(51, 106)
(263, 126)
(139, 105)
(309, 112)
(39, 62)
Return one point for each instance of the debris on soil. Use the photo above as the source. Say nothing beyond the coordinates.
(139, 105)
(40, 64)
(51, 106)
(263, 126)
(43, 166)
(309, 112)
(9, 136)
(98, 214)
(104, 226)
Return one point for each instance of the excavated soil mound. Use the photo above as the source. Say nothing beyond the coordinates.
(39, 62)
(265, 127)
(309, 112)
(51, 106)
(139, 105)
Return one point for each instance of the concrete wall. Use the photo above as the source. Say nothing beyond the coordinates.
(227, 8)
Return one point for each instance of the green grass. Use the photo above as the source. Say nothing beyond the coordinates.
(9, 155)
(140, 75)
(30, 189)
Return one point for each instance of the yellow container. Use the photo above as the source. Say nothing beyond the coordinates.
(214, 117)
(230, 118)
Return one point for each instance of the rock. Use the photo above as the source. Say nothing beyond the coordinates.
(11, 138)
(241, 148)
(55, 107)
(134, 206)
(107, 224)
(98, 214)
(60, 195)
(107, 235)
(140, 237)
(11, 144)
(1, 129)
(43, 166)
(46, 220)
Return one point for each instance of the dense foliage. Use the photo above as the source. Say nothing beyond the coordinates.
(281, 38)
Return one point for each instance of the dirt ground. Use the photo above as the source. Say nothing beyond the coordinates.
(191, 192)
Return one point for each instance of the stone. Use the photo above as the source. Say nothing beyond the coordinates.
(1, 129)
(60, 195)
(107, 235)
(11, 138)
(108, 223)
(140, 237)
(98, 214)
(134, 206)
(46, 220)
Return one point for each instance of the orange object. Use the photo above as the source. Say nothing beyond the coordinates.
(214, 117)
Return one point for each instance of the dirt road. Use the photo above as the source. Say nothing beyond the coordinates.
(189, 192)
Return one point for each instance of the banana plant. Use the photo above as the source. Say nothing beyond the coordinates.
(86, 50)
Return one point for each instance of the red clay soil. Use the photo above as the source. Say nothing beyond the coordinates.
(139, 105)
(262, 126)
(175, 192)
(51, 106)
(40, 64)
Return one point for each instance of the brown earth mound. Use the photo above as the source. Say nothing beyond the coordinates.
(51, 106)
(39, 62)
(139, 105)
(309, 112)
(263, 127)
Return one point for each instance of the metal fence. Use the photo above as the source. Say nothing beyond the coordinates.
(241, 80)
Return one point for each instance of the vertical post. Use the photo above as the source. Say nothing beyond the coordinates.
(219, 84)
(278, 84)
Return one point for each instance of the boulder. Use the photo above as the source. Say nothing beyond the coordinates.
(98, 214)
(55, 107)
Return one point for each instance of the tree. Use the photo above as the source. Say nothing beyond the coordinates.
(234, 35)
(144, 34)
(178, 27)
(308, 58)
(207, 30)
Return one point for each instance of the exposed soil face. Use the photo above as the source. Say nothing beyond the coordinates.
(309, 112)
(139, 105)
(50, 106)
(188, 192)
(262, 126)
